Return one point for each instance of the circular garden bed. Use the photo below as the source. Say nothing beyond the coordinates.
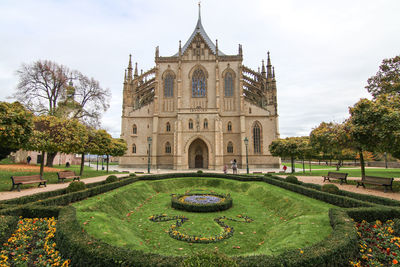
(205, 202)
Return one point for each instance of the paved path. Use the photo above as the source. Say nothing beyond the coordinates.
(308, 179)
(50, 187)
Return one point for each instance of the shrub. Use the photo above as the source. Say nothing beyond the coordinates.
(199, 171)
(292, 179)
(132, 175)
(76, 186)
(225, 203)
(330, 188)
(111, 179)
(209, 258)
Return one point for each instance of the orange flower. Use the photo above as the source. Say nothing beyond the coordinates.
(395, 261)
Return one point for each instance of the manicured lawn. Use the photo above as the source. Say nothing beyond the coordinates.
(50, 175)
(282, 219)
(355, 172)
(299, 166)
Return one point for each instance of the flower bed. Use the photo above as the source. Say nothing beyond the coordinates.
(204, 202)
(379, 244)
(32, 244)
(180, 220)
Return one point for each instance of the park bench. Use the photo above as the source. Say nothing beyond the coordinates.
(375, 180)
(336, 175)
(67, 175)
(139, 172)
(30, 179)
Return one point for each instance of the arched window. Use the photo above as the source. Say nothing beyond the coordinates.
(133, 149)
(205, 124)
(229, 148)
(198, 84)
(228, 84)
(168, 127)
(190, 124)
(229, 126)
(169, 86)
(257, 138)
(168, 148)
(134, 129)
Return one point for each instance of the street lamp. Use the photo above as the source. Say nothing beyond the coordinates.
(246, 143)
(148, 161)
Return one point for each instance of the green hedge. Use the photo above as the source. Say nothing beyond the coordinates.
(8, 225)
(341, 201)
(193, 207)
(75, 244)
(372, 214)
(31, 211)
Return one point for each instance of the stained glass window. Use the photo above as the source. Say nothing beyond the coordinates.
(190, 124)
(169, 86)
(205, 124)
(230, 147)
(229, 127)
(134, 149)
(134, 129)
(168, 127)
(228, 84)
(257, 138)
(198, 84)
(168, 148)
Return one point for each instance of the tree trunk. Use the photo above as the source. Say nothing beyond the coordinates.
(309, 164)
(108, 160)
(50, 159)
(362, 163)
(304, 169)
(292, 161)
(338, 165)
(97, 163)
(42, 163)
(82, 164)
(386, 163)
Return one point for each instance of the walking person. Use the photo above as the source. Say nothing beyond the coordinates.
(28, 159)
(234, 166)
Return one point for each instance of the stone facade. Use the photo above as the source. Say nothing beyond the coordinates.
(197, 107)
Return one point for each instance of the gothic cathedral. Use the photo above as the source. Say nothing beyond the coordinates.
(195, 109)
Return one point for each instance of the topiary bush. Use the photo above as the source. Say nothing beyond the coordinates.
(132, 175)
(292, 179)
(209, 258)
(199, 171)
(76, 186)
(111, 179)
(330, 188)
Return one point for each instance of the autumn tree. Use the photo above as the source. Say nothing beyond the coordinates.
(331, 139)
(48, 88)
(117, 148)
(16, 126)
(288, 147)
(52, 134)
(374, 125)
(387, 79)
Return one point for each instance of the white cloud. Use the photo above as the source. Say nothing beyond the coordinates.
(323, 51)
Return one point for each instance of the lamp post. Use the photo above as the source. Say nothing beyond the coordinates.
(246, 143)
(148, 161)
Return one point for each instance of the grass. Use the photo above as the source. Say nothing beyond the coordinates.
(282, 219)
(299, 166)
(355, 172)
(51, 177)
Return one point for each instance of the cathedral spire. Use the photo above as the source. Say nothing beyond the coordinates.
(263, 68)
(216, 47)
(269, 67)
(199, 19)
(136, 71)
(130, 67)
(180, 48)
(273, 73)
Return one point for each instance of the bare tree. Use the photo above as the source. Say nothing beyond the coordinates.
(48, 88)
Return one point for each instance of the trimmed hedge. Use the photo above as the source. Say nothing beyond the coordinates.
(75, 244)
(76, 186)
(193, 207)
(8, 224)
(372, 214)
(83, 250)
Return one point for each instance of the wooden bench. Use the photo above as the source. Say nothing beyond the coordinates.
(375, 180)
(67, 175)
(336, 175)
(30, 179)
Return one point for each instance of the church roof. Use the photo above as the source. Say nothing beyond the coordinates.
(199, 29)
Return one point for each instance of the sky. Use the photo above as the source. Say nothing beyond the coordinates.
(323, 51)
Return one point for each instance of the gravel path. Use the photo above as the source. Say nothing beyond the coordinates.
(378, 191)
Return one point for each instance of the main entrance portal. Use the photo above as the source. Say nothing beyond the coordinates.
(198, 155)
